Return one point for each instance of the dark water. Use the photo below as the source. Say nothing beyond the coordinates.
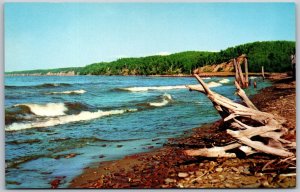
(48, 118)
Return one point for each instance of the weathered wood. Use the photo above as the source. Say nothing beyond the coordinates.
(247, 150)
(205, 87)
(293, 62)
(263, 72)
(259, 146)
(246, 73)
(270, 127)
(237, 78)
(214, 151)
(241, 75)
(198, 88)
(243, 96)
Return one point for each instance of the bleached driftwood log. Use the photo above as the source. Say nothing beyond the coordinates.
(236, 69)
(239, 76)
(240, 72)
(240, 92)
(246, 122)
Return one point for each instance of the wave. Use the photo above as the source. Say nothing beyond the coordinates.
(224, 81)
(53, 121)
(140, 89)
(49, 109)
(166, 99)
(45, 85)
(77, 107)
(143, 89)
(81, 91)
(17, 113)
(28, 111)
(28, 115)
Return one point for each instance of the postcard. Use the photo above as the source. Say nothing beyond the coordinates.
(150, 95)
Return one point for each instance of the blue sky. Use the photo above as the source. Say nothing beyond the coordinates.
(52, 35)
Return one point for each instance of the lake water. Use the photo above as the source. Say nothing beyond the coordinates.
(99, 118)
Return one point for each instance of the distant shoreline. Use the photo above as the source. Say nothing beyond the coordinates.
(208, 74)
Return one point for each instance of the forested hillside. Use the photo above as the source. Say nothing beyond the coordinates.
(273, 55)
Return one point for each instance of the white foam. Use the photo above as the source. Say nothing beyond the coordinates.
(224, 81)
(214, 84)
(166, 99)
(143, 89)
(252, 77)
(167, 96)
(49, 109)
(53, 121)
(81, 91)
(139, 89)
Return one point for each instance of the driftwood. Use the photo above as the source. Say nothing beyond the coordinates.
(246, 123)
(293, 62)
(246, 73)
(263, 72)
(242, 80)
(237, 74)
(240, 72)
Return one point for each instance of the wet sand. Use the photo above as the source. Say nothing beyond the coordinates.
(169, 167)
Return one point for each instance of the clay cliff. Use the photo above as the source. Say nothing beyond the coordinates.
(222, 67)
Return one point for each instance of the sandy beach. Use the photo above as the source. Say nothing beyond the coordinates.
(169, 167)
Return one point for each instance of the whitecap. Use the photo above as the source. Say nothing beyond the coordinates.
(214, 84)
(166, 99)
(49, 109)
(140, 89)
(53, 121)
(224, 81)
(159, 88)
(81, 91)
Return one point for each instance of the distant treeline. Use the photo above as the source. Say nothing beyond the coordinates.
(273, 55)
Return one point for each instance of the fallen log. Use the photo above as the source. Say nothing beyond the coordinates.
(249, 126)
(214, 151)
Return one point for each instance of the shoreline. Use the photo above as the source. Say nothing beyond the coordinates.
(204, 74)
(169, 167)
